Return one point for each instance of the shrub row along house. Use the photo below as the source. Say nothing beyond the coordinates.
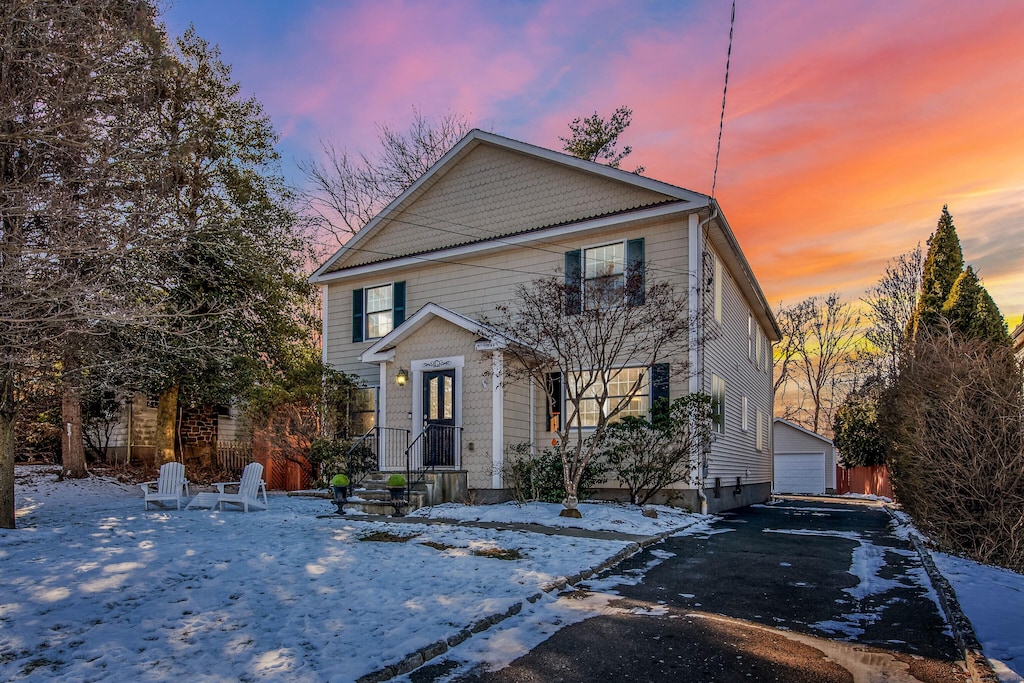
(407, 300)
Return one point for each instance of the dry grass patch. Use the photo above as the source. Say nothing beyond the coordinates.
(496, 553)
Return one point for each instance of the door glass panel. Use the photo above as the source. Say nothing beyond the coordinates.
(432, 411)
(448, 394)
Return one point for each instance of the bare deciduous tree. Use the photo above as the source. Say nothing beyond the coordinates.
(601, 341)
(821, 336)
(891, 304)
(350, 188)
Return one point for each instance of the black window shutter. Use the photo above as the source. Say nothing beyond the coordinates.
(635, 286)
(399, 304)
(573, 282)
(554, 408)
(659, 390)
(357, 315)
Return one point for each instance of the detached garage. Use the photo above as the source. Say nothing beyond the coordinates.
(805, 462)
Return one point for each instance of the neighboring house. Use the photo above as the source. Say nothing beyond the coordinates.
(805, 462)
(404, 300)
(130, 434)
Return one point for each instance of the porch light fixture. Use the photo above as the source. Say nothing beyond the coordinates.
(402, 377)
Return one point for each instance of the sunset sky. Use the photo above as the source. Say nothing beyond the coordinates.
(848, 124)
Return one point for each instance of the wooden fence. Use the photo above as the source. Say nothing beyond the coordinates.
(233, 456)
(872, 481)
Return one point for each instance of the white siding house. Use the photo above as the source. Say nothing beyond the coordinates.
(805, 462)
(405, 298)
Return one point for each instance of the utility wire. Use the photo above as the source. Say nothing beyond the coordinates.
(725, 89)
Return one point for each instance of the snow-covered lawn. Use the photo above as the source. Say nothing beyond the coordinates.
(97, 589)
(993, 599)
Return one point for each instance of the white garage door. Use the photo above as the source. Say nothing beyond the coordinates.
(799, 473)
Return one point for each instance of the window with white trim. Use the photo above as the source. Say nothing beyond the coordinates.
(619, 388)
(743, 414)
(752, 345)
(379, 311)
(604, 274)
(718, 289)
(363, 411)
(760, 430)
(717, 404)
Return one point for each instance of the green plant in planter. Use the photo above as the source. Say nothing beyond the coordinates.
(339, 480)
(396, 481)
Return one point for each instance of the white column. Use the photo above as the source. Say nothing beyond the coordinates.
(497, 419)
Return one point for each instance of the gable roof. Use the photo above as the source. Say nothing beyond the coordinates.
(380, 350)
(808, 432)
(671, 194)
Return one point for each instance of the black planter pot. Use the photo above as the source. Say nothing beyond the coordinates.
(340, 498)
(398, 500)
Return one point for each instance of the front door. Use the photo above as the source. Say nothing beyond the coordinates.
(439, 418)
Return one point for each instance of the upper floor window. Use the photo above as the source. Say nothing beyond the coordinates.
(604, 274)
(752, 340)
(377, 310)
(718, 289)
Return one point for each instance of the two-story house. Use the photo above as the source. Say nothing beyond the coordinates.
(403, 302)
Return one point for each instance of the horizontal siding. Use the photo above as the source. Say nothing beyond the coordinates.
(789, 440)
(478, 283)
(726, 354)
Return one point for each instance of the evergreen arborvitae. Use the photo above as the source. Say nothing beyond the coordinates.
(942, 267)
(972, 313)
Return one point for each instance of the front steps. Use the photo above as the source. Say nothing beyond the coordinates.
(372, 496)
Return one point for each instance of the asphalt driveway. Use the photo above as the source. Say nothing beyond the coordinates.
(804, 590)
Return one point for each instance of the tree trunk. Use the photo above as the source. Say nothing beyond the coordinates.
(166, 424)
(72, 447)
(6, 452)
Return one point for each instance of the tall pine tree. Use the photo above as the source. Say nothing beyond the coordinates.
(972, 313)
(942, 267)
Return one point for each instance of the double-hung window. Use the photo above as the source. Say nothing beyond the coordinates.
(717, 404)
(604, 275)
(601, 396)
(377, 310)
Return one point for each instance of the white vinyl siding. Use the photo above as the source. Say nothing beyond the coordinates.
(727, 355)
(486, 281)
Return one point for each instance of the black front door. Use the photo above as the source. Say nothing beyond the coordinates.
(439, 418)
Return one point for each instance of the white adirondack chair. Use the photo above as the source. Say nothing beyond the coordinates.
(170, 486)
(249, 488)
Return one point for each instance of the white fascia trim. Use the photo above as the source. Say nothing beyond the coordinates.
(504, 242)
(382, 357)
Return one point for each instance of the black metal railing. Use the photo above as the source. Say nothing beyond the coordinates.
(436, 446)
(388, 444)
